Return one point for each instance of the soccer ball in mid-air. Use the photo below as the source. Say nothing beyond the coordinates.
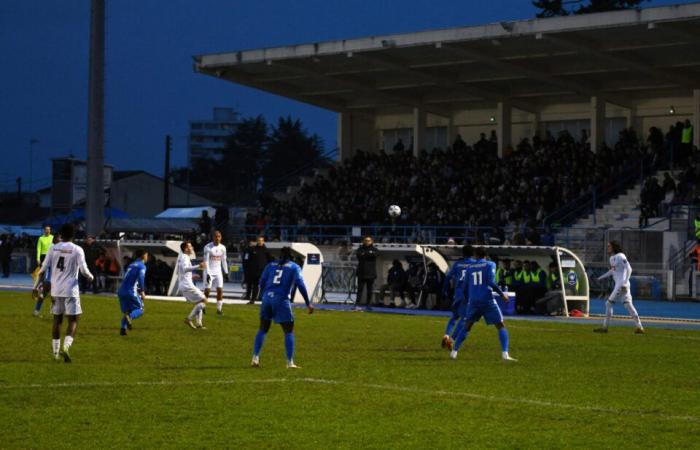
(394, 211)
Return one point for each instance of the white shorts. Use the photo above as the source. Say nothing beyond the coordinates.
(623, 296)
(214, 280)
(193, 295)
(66, 305)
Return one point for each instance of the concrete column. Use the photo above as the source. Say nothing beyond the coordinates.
(451, 131)
(536, 123)
(503, 126)
(629, 118)
(597, 122)
(419, 120)
(344, 136)
(696, 118)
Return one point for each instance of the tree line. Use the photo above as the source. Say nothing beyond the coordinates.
(258, 158)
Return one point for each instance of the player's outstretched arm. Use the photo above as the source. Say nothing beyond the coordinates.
(224, 262)
(299, 280)
(606, 275)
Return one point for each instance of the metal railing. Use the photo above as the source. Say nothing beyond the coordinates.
(596, 196)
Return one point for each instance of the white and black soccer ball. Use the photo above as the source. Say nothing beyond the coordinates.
(394, 211)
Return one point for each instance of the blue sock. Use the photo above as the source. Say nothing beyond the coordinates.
(451, 323)
(259, 340)
(135, 314)
(462, 334)
(38, 304)
(289, 345)
(503, 337)
(124, 323)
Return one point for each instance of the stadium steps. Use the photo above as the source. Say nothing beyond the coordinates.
(623, 211)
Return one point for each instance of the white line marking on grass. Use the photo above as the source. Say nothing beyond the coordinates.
(495, 399)
(382, 387)
(138, 383)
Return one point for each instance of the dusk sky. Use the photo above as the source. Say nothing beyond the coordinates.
(151, 88)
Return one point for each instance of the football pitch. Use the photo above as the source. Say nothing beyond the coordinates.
(367, 381)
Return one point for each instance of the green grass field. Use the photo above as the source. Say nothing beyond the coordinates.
(367, 380)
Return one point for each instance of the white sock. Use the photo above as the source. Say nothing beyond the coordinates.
(195, 311)
(219, 305)
(56, 344)
(67, 342)
(505, 355)
(633, 312)
(199, 315)
(608, 314)
(453, 354)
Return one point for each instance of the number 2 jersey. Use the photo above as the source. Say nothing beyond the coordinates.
(278, 280)
(66, 261)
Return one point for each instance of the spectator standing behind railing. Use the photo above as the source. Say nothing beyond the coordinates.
(92, 253)
(6, 246)
(258, 257)
(694, 256)
(366, 271)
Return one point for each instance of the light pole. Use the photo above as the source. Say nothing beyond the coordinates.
(32, 141)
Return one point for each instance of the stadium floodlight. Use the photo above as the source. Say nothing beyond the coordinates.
(492, 119)
(671, 110)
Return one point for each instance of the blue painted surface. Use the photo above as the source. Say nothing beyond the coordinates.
(662, 309)
(651, 308)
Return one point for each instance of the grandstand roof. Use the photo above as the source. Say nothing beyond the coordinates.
(623, 56)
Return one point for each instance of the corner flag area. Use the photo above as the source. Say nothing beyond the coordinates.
(370, 380)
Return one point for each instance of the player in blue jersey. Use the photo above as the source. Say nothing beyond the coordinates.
(276, 284)
(132, 290)
(455, 277)
(480, 281)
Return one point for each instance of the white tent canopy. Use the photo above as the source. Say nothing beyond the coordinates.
(186, 213)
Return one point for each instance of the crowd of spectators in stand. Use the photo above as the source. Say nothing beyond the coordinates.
(462, 185)
(672, 151)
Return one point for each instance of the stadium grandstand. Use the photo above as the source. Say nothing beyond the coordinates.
(536, 131)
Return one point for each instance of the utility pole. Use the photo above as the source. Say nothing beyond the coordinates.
(166, 174)
(31, 162)
(94, 212)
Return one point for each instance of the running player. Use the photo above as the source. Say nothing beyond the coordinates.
(66, 261)
(276, 284)
(480, 279)
(132, 290)
(621, 271)
(455, 277)
(187, 287)
(43, 281)
(215, 259)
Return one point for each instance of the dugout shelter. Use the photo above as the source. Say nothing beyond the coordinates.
(577, 297)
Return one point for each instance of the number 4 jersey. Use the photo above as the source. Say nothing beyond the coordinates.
(65, 260)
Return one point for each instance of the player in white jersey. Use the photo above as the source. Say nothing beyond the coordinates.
(187, 287)
(215, 259)
(66, 262)
(621, 271)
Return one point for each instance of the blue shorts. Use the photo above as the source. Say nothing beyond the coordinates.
(129, 302)
(277, 309)
(487, 308)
